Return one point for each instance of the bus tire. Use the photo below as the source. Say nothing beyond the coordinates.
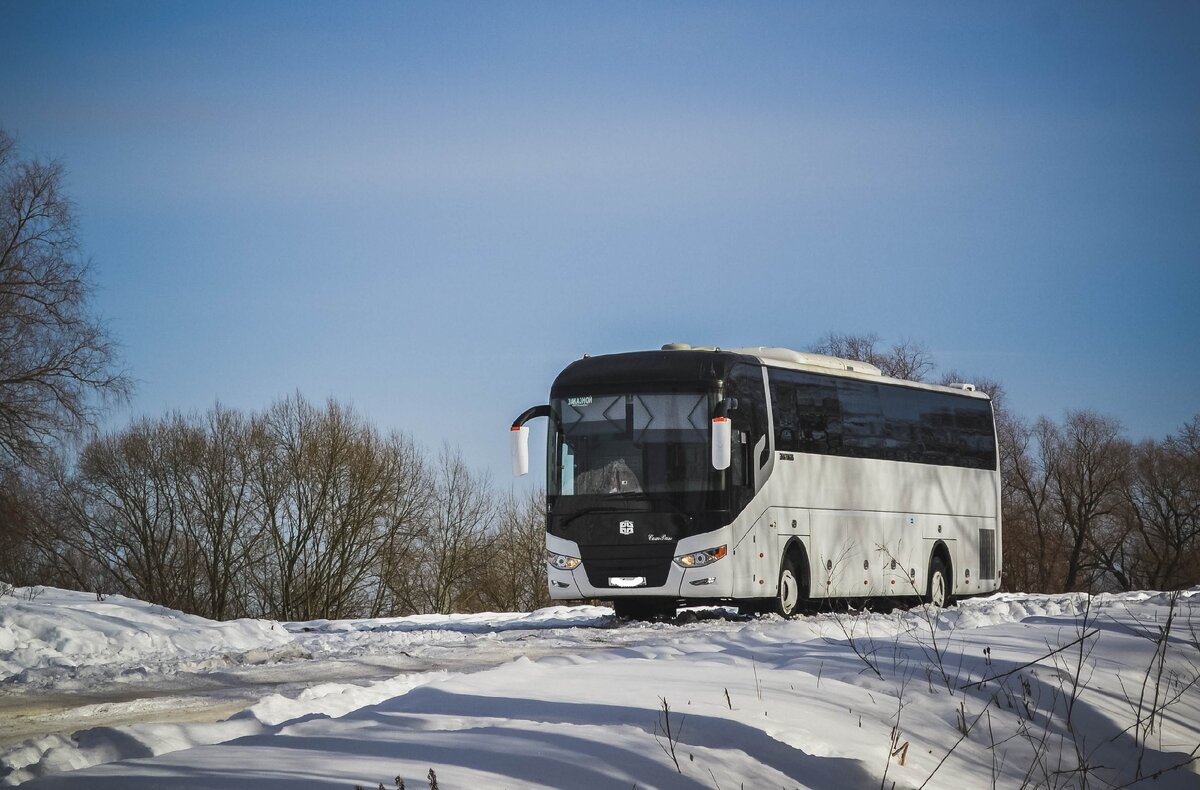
(788, 598)
(938, 590)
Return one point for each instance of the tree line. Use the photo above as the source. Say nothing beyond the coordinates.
(299, 512)
(1085, 508)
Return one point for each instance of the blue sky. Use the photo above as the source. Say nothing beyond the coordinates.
(429, 209)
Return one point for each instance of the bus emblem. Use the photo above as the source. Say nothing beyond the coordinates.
(626, 527)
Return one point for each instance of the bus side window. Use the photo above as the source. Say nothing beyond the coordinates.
(806, 411)
(819, 416)
(568, 470)
(783, 407)
(862, 418)
(739, 472)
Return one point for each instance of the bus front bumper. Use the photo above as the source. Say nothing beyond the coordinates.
(712, 581)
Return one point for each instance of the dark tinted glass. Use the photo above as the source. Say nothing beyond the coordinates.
(862, 419)
(977, 439)
(937, 435)
(837, 416)
(745, 384)
(646, 442)
(902, 412)
(806, 411)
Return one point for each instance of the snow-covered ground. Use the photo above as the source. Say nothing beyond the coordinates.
(1007, 691)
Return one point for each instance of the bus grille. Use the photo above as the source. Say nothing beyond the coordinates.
(604, 562)
(987, 554)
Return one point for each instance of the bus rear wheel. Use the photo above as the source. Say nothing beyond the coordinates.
(938, 593)
(788, 598)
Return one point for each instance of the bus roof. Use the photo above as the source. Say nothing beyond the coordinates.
(822, 363)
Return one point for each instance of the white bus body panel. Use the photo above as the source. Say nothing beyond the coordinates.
(855, 516)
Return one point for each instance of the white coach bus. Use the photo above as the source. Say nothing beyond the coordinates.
(763, 477)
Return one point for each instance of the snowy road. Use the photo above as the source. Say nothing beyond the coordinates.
(61, 695)
(215, 695)
(120, 694)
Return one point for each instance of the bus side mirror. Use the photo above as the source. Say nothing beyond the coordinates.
(519, 439)
(722, 442)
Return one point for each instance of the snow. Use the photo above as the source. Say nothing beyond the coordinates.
(59, 639)
(131, 695)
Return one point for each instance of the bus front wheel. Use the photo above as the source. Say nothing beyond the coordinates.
(787, 600)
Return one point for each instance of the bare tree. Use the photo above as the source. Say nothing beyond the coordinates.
(209, 458)
(406, 523)
(337, 506)
(907, 359)
(19, 557)
(122, 511)
(1162, 514)
(1087, 466)
(515, 578)
(863, 347)
(57, 363)
(1032, 533)
(455, 548)
(327, 493)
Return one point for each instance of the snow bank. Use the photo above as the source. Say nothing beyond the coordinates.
(59, 638)
(483, 622)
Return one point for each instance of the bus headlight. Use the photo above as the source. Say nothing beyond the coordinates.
(562, 562)
(698, 559)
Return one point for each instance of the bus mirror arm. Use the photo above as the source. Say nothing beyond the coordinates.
(722, 434)
(519, 438)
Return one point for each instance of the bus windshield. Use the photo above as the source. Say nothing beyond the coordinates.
(630, 444)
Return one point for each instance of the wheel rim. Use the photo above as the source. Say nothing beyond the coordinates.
(789, 592)
(937, 589)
